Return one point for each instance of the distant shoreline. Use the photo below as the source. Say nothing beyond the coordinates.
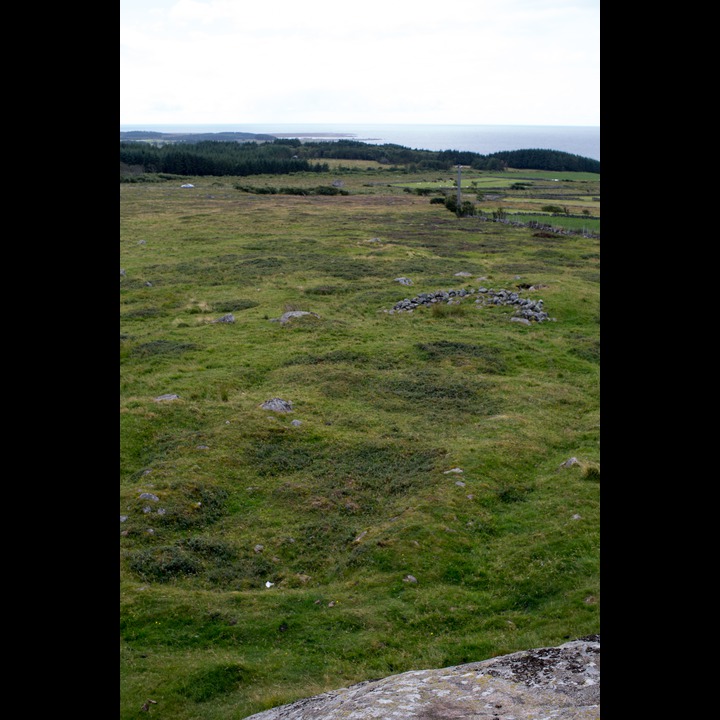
(482, 139)
(312, 135)
(298, 135)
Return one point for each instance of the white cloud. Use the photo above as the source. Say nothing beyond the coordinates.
(470, 61)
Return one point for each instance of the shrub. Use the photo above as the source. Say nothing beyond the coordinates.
(162, 347)
(208, 684)
(324, 290)
(467, 209)
(444, 349)
(513, 493)
(189, 505)
(145, 312)
(325, 190)
(440, 310)
(162, 564)
(235, 305)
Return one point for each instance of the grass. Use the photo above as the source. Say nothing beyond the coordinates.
(520, 193)
(337, 502)
(578, 224)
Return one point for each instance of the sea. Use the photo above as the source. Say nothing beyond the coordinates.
(583, 140)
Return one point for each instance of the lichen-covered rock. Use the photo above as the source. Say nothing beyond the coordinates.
(286, 317)
(557, 683)
(167, 396)
(277, 405)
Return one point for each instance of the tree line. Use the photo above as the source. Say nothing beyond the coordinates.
(547, 160)
(288, 155)
(216, 158)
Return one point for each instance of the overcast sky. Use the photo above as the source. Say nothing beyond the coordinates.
(479, 62)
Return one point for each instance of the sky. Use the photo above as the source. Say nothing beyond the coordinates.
(475, 62)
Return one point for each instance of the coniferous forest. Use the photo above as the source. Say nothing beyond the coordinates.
(288, 155)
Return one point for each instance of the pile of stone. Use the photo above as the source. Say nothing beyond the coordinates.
(527, 309)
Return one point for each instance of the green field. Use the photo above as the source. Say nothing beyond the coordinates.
(582, 224)
(520, 192)
(411, 511)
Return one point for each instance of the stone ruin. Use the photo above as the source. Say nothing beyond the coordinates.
(528, 310)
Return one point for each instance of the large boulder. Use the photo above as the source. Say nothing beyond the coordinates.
(557, 683)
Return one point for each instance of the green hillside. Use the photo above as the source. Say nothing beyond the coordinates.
(415, 508)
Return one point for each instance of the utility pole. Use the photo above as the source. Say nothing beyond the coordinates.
(459, 192)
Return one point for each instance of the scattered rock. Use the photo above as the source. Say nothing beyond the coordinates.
(410, 579)
(296, 423)
(168, 396)
(404, 281)
(149, 496)
(286, 317)
(453, 470)
(570, 462)
(277, 405)
(229, 318)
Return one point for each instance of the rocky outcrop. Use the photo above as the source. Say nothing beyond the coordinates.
(551, 683)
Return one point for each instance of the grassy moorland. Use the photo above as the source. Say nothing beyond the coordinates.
(412, 510)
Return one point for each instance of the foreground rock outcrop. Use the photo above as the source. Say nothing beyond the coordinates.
(555, 683)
